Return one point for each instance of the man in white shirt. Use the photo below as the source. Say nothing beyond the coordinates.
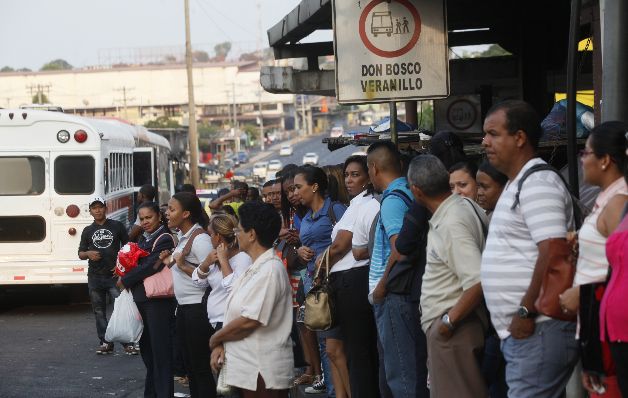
(540, 352)
(452, 316)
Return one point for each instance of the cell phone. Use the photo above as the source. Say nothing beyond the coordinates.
(599, 388)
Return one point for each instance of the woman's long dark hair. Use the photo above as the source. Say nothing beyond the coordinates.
(191, 203)
(609, 138)
(287, 174)
(314, 175)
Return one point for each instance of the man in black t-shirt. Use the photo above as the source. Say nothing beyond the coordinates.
(100, 243)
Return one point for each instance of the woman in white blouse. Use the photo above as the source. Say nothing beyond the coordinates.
(186, 213)
(221, 268)
(254, 345)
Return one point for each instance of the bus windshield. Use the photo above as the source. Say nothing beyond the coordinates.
(22, 175)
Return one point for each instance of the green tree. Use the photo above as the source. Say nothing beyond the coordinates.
(7, 69)
(426, 115)
(222, 50)
(57, 64)
(200, 56)
(162, 122)
(494, 50)
(207, 133)
(23, 70)
(252, 132)
(44, 99)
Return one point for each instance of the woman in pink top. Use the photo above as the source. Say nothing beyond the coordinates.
(603, 162)
(613, 313)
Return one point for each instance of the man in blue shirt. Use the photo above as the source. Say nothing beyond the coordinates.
(396, 315)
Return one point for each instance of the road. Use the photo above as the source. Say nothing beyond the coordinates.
(311, 144)
(47, 348)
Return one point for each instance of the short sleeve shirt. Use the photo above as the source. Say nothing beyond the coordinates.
(545, 211)
(263, 294)
(316, 229)
(392, 211)
(185, 290)
(369, 207)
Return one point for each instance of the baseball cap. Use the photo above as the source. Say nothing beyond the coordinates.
(96, 200)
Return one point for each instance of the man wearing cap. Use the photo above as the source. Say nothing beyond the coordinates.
(100, 243)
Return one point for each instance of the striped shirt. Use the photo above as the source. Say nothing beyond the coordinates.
(545, 211)
(592, 263)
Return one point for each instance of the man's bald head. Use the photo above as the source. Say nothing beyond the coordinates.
(386, 158)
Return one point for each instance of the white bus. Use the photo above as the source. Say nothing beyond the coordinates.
(51, 164)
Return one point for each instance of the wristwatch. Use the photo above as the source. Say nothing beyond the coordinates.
(524, 313)
(447, 322)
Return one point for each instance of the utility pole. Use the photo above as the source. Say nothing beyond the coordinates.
(261, 123)
(38, 90)
(125, 99)
(306, 125)
(192, 130)
(258, 5)
(235, 109)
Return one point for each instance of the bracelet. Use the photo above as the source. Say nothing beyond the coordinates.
(201, 273)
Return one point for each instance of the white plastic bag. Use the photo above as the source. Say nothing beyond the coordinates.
(125, 325)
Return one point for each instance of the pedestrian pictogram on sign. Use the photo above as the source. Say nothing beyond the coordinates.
(390, 50)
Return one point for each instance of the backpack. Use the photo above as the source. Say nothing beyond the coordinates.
(401, 195)
(579, 210)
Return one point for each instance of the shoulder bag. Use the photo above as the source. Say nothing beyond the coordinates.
(160, 284)
(319, 307)
(561, 267)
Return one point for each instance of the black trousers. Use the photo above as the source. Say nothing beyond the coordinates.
(619, 351)
(354, 316)
(156, 346)
(194, 331)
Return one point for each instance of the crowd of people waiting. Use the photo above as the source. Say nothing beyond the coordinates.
(435, 266)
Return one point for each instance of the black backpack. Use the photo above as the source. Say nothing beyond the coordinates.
(401, 195)
(579, 210)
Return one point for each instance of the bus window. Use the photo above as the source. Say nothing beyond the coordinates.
(106, 176)
(74, 175)
(22, 229)
(142, 168)
(22, 175)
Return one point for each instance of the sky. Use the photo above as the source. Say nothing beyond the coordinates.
(92, 32)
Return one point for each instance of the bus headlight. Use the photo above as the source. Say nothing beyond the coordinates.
(63, 136)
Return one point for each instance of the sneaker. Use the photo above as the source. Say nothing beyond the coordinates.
(104, 348)
(318, 387)
(130, 350)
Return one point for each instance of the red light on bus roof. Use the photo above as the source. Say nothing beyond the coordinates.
(80, 136)
(72, 211)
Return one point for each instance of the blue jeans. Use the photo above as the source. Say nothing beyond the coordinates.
(540, 365)
(99, 287)
(404, 346)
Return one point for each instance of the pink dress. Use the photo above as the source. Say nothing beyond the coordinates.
(613, 313)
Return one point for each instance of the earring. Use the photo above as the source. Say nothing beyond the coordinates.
(603, 167)
(313, 190)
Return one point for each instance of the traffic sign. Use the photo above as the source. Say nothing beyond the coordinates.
(390, 50)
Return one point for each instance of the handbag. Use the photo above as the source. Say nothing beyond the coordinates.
(160, 284)
(222, 388)
(558, 277)
(290, 256)
(319, 307)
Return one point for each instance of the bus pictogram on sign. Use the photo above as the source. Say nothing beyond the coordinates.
(390, 29)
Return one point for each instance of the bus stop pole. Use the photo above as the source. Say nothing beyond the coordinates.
(393, 123)
(572, 53)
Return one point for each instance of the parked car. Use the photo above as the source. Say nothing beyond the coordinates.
(286, 150)
(275, 165)
(358, 153)
(336, 132)
(228, 164)
(260, 169)
(310, 158)
(243, 157)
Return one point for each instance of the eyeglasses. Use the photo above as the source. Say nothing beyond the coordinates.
(584, 152)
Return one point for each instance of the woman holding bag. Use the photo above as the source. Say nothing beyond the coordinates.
(157, 313)
(221, 268)
(186, 213)
(603, 162)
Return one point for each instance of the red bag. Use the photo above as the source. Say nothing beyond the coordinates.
(128, 257)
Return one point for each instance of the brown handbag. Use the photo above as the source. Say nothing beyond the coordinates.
(319, 308)
(558, 277)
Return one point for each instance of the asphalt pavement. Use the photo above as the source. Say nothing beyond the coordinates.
(302, 146)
